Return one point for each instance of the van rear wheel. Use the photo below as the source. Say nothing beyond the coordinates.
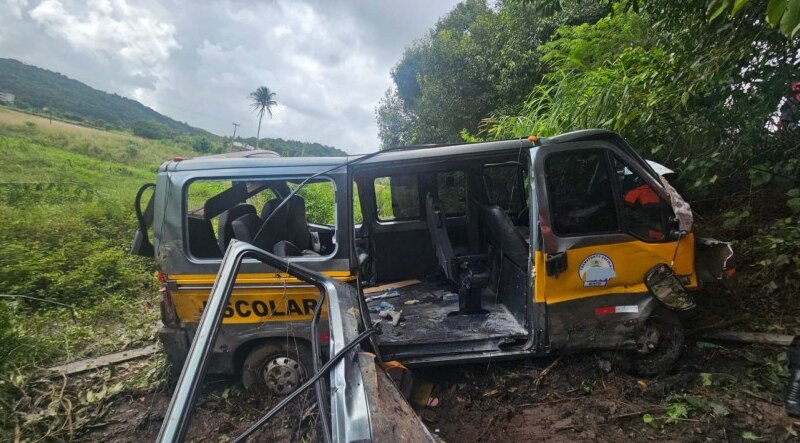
(661, 344)
(276, 368)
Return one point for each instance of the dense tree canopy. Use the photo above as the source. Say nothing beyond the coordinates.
(477, 61)
(696, 84)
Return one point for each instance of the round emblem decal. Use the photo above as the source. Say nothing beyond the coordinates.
(596, 270)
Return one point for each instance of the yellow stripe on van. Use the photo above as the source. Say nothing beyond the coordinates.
(290, 299)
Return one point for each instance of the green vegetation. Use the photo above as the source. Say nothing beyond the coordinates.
(294, 148)
(66, 222)
(694, 85)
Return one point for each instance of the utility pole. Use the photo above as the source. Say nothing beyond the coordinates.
(235, 125)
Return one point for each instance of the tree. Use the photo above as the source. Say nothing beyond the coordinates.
(263, 101)
(476, 61)
(150, 129)
(202, 144)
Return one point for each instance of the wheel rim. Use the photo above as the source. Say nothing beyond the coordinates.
(283, 375)
(651, 338)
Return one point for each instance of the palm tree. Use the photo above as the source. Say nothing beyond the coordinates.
(263, 101)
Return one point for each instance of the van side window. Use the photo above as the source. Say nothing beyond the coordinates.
(504, 186)
(220, 210)
(320, 203)
(397, 197)
(641, 205)
(579, 191)
(452, 190)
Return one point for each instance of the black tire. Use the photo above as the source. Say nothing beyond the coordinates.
(276, 369)
(666, 352)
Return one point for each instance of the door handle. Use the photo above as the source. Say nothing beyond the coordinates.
(556, 263)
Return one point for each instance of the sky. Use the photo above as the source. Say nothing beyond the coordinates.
(329, 61)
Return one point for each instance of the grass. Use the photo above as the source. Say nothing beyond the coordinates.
(66, 222)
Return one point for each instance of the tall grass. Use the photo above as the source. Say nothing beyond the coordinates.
(66, 221)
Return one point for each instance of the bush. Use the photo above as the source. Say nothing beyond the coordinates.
(202, 144)
(150, 129)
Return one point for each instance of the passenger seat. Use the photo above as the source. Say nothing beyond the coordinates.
(504, 235)
(225, 223)
(286, 225)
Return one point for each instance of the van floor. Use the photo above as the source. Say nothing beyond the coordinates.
(425, 317)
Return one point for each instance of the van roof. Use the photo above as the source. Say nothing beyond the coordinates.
(263, 158)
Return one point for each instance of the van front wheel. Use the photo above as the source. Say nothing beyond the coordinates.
(276, 369)
(661, 344)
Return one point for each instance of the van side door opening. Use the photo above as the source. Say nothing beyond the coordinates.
(482, 204)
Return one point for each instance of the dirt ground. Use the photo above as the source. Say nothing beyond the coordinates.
(717, 392)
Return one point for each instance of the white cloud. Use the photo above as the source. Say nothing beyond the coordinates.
(16, 7)
(329, 62)
(133, 34)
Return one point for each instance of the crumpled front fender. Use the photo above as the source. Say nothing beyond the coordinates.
(713, 259)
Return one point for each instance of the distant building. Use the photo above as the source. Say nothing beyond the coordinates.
(239, 146)
(7, 97)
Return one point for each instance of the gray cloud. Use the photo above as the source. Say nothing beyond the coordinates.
(197, 61)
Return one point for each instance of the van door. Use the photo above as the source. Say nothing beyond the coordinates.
(605, 221)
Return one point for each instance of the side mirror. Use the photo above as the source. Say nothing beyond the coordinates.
(141, 245)
(663, 284)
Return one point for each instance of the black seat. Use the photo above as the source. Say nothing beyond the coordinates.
(437, 226)
(202, 243)
(245, 227)
(285, 223)
(466, 271)
(225, 222)
(504, 235)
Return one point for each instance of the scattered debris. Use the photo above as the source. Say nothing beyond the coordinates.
(450, 296)
(707, 345)
(393, 315)
(604, 365)
(539, 378)
(390, 293)
(411, 302)
(421, 393)
(382, 306)
(395, 285)
(79, 366)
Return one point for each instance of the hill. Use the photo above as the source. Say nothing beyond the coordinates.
(37, 88)
(294, 148)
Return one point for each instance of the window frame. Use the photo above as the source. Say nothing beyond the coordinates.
(420, 205)
(228, 178)
(464, 195)
(550, 200)
(664, 204)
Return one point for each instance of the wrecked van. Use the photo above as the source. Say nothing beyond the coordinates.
(469, 252)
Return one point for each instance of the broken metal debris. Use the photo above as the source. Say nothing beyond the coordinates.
(391, 315)
(382, 306)
(391, 293)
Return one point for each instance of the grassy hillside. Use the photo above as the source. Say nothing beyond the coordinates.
(38, 88)
(66, 221)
